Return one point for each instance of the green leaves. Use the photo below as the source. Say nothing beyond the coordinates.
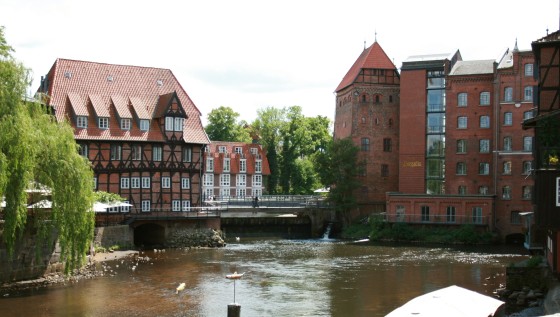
(223, 126)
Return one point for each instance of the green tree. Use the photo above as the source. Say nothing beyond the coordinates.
(338, 168)
(35, 149)
(223, 126)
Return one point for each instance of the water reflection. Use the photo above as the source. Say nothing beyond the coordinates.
(283, 278)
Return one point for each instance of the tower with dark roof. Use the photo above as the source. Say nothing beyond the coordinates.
(367, 111)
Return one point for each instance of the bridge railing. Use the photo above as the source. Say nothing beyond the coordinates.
(135, 214)
(272, 201)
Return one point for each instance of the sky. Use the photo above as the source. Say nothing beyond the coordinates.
(253, 54)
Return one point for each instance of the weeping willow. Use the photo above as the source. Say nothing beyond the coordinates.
(35, 149)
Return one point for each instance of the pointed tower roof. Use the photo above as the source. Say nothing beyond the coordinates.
(372, 57)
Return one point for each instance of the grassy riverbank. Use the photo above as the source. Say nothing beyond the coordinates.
(377, 230)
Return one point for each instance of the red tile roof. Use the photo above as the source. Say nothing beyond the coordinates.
(118, 89)
(372, 57)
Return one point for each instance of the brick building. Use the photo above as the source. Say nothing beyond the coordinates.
(367, 105)
(138, 128)
(234, 170)
(462, 155)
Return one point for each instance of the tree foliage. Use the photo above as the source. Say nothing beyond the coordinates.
(223, 125)
(338, 168)
(35, 149)
(267, 126)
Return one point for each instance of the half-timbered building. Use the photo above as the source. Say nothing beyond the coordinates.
(137, 126)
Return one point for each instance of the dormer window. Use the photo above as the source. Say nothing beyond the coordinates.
(238, 150)
(179, 124)
(81, 122)
(144, 125)
(254, 151)
(125, 124)
(103, 122)
(174, 124)
(222, 149)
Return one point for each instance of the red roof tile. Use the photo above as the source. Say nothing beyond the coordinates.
(121, 105)
(372, 57)
(142, 86)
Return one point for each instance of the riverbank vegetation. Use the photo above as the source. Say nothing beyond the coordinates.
(376, 229)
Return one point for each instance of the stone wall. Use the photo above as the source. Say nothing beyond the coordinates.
(187, 238)
(122, 235)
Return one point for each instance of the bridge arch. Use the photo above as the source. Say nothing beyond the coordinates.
(149, 235)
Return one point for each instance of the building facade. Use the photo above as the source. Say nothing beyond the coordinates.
(462, 156)
(367, 111)
(234, 170)
(138, 128)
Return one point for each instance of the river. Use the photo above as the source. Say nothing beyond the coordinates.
(282, 278)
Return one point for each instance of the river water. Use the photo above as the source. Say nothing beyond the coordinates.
(282, 278)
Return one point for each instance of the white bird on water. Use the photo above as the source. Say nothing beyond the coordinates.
(237, 239)
(180, 288)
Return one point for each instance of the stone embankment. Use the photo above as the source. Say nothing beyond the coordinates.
(188, 238)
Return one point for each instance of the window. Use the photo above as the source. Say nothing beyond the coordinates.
(257, 192)
(257, 180)
(222, 149)
(144, 125)
(527, 143)
(258, 166)
(208, 180)
(125, 124)
(506, 192)
(485, 98)
(400, 211)
(462, 99)
(461, 146)
(528, 93)
(83, 150)
(116, 152)
(176, 205)
(527, 115)
(461, 168)
(485, 121)
(125, 208)
(165, 182)
(186, 205)
(241, 180)
(238, 150)
(384, 170)
(243, 166)
(528, 69)
(484, 146)
(462, 190)
(145, 182)
(95, 183)
(145, 205)
(483, 168)
(425, 213)
(125, 182)
(483, 190)
(135, 182)
(226, 165)
(103, 123)
(225, 180)
(81, 122)
(136, 152)
(224, 192)
(461, 122)
(254, 150)
(507, 144)
(179, 124)
(527, 192)
(506, 168)
(508, 118)
(209, 164)
(477, 214)
(208, 192)
(365, 144)
(241, 192)
(387, 145)
(187, 154)
(185, 183)
(450, 212)
(169, 123)
(515, 218)
(508, 94)
(527, 167)
(157, 153)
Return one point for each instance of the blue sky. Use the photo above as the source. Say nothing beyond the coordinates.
(251, 54)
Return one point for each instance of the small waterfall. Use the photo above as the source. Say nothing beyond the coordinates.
(327, 231)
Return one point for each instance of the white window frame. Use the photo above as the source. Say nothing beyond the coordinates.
(81, 122)
(157, 153)
(125, 208)
(95, 183)
(125, 182)
(166, 182)
(462, 99)
(209, 164)
(238, 150)
(461, 146)
(187, 153)
(176, 205)
(477, 214)
(103, 123)
(254, 151)
(185, 183)
(484, 122)
(508, 118)
(462, 122)
(116, 151)
(125, 124)
(136, 152)
(527, 143)
(169, 123)
(208, 180)
(528, 69)
(257, 192)
(241, 192)
(83, 150)
(528, 93)
(241, 180)
(508, 94)
(135, 182)
(257, 181)
(258, 166)
(186, 205)
(146, 180)
(146, 205)
(227, 165)
(222, 149)
(144, 124)
(483, 168)
(243, 166)
(484, 98)
(225, 180)
(225, 192)
(178, 124)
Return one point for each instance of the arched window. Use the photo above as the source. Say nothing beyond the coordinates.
(365, 144)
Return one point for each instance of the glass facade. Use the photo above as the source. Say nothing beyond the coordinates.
(435, 132)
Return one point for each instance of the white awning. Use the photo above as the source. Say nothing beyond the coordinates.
(450, 301)
(44, 204)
